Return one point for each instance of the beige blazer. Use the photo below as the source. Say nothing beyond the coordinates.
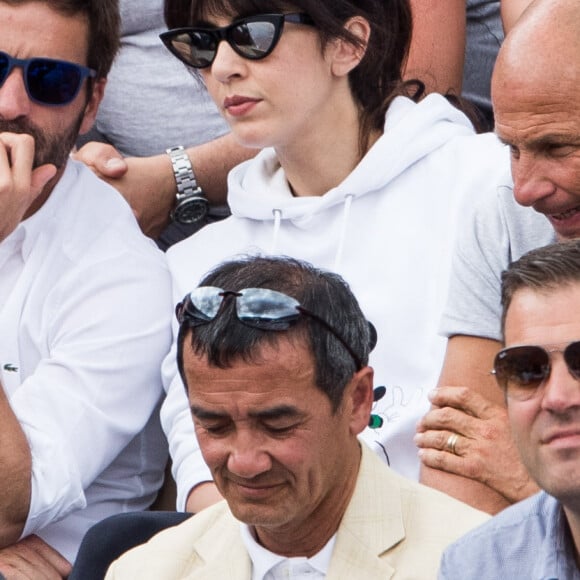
(392, 528)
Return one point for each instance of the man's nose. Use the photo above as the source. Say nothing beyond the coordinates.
(14, 101)
(561, 390)
(247, 457)
(531, 176)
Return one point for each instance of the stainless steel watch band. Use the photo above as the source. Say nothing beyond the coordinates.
(183, 171)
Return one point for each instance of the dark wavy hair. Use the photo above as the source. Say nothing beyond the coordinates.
(375, 82)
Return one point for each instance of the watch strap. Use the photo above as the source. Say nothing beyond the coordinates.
(183, 172)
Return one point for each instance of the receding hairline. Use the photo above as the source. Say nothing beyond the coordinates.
(546, 39)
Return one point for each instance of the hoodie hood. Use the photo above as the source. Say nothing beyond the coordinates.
(258, 188)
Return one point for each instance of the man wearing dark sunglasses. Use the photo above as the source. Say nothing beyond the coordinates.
(464, 440)
(539, 374)
(79, 366)
(274, 355)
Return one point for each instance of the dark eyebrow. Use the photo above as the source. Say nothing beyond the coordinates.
(282, 411)
(268, 414)
(200, 413)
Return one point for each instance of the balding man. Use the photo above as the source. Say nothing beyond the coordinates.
(465, 444)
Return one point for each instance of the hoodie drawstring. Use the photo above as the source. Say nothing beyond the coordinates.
(342, 236)
(277, 220)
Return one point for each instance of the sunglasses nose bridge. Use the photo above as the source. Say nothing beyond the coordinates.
(560, 388)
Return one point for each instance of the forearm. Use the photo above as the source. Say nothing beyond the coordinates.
(31, 557)
(511, 10)
(202, 496)
(467, 364)
(212, 162)
(437, 50)
(148, 183)
(467, 490)
(15, 475)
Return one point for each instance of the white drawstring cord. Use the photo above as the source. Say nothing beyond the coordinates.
(277, 221)
(341, 239)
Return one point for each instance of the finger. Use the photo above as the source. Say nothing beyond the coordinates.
(462, 398)
(103, 159)
(451, 420)
(17, 161)
(52, 557)
(441, 441)
(444, 461)
(40, 177)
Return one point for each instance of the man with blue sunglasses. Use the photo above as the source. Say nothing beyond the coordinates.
(79, 363)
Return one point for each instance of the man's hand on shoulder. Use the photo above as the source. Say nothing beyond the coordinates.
(147, 183)
(20, 184)
(33, 559)
(483, 447)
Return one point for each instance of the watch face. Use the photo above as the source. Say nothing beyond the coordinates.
(191, 210)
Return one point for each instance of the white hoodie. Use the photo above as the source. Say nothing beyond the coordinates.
(388, 229)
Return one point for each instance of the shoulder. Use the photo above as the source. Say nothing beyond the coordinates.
(174, 551)
(505, 544)
(422, 509)
(94, 222)
(433, 516)
(502, 230)
(395, 518)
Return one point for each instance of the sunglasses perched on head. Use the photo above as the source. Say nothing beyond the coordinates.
(254, 38)
(520, 370)
(47, 81)
(256, 307)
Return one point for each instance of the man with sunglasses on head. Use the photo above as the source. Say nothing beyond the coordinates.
(84, 299)
(464, 440)
(274, 356)
(538, 371)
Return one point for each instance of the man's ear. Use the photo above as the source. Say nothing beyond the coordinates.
(346, 55)
(92, 106)
(359, 395)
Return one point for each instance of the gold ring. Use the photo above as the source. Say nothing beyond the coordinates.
(452, 442)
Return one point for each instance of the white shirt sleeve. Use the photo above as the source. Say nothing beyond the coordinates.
(95, 379)
(189, 467)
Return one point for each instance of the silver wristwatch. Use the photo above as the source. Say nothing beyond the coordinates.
(191, 205)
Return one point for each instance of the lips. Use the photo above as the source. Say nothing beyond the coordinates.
(238, 102)
(561, 435)
(565, 214)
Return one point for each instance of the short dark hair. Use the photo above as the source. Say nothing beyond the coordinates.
(225, 339)
(378, 77)
(546, 268)
(104, 23)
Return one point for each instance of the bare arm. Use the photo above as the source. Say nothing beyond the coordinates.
(15, 474)
(20, 186)
(511, 10)
(148, 183)
(485, 471)
(33, 558)
(202, 496)
(438, 45)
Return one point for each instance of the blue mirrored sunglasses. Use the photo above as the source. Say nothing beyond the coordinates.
(256, 307)
(47, 81)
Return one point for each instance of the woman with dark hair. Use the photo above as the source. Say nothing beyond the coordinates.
(357, 174)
